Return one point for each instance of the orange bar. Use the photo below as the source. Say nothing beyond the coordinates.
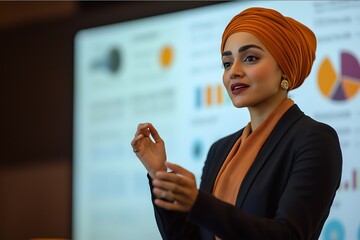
(208, 96)
(219, 94)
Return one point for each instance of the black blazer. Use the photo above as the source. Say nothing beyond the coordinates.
(286, 194)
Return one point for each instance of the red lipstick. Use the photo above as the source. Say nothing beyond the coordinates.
(237, 88)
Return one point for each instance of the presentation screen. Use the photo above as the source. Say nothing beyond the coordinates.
(167, 70)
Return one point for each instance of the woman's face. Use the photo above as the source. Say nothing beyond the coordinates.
(251, 75)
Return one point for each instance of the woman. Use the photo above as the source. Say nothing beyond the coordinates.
(274, 179)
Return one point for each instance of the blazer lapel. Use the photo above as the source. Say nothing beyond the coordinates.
(218, 159)
(289, 118)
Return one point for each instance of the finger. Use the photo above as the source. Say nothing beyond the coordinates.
(180, 193)
(174, 177)
(136, 140)
(173, 206)
(135, 143)
(169, 177)
(179, 170)
(164, 194)
(177, 184)
(170, 197)
(168, 186)
(155, 134)
(143, 128)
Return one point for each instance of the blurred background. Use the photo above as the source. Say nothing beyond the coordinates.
(36, 67)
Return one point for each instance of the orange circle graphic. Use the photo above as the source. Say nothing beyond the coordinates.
(166, 56)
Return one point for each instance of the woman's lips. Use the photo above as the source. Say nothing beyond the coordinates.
(237, 88)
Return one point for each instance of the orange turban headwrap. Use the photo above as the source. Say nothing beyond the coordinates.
(291, 43)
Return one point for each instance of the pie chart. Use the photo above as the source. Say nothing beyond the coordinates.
(340, 86)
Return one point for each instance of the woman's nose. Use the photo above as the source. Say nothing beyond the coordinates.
(236, 71)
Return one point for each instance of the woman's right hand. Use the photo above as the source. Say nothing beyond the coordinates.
(151, 152)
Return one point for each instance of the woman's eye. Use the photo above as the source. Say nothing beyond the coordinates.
(226, 65)
(250, 59)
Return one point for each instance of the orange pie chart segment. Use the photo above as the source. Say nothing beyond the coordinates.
(350, 87)
(327, 77)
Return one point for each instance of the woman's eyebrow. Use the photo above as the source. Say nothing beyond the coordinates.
(246, 47)
(227, 53)
(242, 49)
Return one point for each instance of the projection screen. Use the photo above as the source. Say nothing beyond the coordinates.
(167, 70)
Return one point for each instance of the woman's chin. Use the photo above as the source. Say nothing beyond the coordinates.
(239, 104)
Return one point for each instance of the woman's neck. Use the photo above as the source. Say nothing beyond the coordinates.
(260, 111)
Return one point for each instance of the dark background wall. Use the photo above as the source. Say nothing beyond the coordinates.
(36, 97)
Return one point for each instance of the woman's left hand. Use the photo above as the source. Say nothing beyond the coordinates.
(175, 190)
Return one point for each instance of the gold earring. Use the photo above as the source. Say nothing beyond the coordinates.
(284, 84)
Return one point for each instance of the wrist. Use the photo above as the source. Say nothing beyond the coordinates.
(152, 172)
